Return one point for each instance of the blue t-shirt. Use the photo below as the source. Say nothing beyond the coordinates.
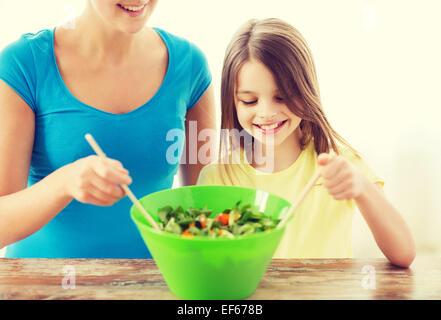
(138, 139)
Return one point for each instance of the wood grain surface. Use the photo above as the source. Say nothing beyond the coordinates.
(298, 279)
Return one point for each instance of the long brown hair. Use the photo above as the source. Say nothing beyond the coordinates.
(284, 51)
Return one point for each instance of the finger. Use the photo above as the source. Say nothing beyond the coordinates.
(336, 179)
(105, 203)
(323, 159)
(102, 197)
(116, 164)
(107, 187)
(112, 174)
(113, 162)
(95, 198)
(339, 188)
(333, 168)
(346, 195)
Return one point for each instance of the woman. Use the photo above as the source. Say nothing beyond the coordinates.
(127, 85)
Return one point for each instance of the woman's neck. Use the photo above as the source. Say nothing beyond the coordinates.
(103, 43)
(280, 158)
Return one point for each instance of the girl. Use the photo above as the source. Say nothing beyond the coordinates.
(270, 98)
(125, 83)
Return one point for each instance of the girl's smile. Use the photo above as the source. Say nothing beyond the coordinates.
(270, 128)
(261, 110)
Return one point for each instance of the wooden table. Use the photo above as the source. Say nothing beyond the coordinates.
(107, 279)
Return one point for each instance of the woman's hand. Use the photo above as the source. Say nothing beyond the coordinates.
(340, 177)
(96, 180)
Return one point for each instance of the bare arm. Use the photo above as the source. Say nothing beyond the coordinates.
(389, 229)
(24, 211)
(203, 115)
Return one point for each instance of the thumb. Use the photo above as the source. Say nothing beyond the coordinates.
(323, 159)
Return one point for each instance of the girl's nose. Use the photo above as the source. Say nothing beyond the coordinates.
(266, 112)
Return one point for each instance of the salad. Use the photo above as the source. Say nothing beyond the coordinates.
(237, 221)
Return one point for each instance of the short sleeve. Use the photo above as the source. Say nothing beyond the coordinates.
(208, 175)
(17, 69)
(200, 75)
(360, 164)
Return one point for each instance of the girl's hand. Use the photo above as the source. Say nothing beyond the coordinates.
(340, 177)
(96, 180)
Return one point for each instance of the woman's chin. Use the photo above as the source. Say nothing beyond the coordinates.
(132, 29)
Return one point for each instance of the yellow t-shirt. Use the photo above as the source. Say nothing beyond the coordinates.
(321, 226)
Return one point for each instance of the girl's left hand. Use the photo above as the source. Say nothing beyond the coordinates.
(340, 177)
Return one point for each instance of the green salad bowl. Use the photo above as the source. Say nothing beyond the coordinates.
(202, 268)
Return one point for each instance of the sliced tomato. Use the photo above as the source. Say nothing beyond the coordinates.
(223, 218)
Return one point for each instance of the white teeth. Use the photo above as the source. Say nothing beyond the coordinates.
(270, 127)
(273, 126)
(133, 8)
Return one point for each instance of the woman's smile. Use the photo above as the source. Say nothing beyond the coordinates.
(133, 10)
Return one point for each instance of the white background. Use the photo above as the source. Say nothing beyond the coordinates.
(379, 70)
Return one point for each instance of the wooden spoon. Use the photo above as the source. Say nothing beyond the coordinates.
(132, 197)
(303, 194)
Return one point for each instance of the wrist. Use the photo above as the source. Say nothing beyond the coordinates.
(61, 179)
(364, 188)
